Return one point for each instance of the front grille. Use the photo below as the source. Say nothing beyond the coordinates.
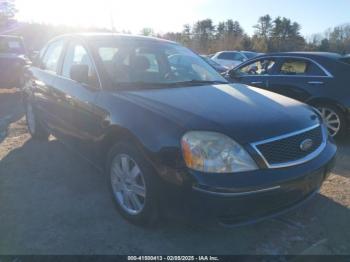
(287, 149)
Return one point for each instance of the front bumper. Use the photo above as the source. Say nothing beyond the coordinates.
(252, 206)
(237, 199)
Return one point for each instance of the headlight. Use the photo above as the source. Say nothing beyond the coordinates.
(215, 153)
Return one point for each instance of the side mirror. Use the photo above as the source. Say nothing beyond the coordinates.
(80, 73)
(234, 74)
(33, 55)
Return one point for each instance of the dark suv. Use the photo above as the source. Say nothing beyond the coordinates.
(175, 136)
(319, 79)
(13, 57)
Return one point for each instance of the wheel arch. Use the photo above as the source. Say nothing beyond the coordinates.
(116, 134)
(326, 101)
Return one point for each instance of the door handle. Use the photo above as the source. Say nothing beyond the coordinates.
(256, 83)
(315, 83)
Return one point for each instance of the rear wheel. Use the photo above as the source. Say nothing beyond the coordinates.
(134, 184)
(333, 118)
(34, 127)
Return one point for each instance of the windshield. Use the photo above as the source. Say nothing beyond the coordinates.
(135, 62)
(11, 46)
(212, 62)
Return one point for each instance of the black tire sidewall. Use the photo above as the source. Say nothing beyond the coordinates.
(40, 133)
(150, 213)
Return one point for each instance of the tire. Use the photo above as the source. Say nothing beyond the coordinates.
(123, 184)
(36, 130)
(334, 119)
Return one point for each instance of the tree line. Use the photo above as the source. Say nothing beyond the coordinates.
(204, 36)
(278, 34)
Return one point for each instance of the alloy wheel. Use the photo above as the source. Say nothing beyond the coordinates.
(331, 119)
(128, 184)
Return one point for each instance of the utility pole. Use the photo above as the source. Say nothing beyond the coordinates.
(111, 15)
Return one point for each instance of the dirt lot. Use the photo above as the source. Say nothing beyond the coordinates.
(53, 202)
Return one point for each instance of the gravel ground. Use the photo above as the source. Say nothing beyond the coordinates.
(53, 202)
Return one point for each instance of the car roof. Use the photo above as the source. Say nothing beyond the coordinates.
(108, 36)
(11, 36)
(235, 51)
(329, 55)
(227, 51)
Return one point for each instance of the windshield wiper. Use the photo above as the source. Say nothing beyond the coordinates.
(167, 84)
(140, 84)
(200, 82)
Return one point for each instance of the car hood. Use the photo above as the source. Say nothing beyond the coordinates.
(244, 113)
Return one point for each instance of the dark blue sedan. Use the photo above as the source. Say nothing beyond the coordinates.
(175, 136)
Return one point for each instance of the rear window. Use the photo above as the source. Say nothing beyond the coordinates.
(11, 46)
(230, 56)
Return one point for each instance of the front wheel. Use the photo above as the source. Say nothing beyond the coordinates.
(34, 127)
(134, 184)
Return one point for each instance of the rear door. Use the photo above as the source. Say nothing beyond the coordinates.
(256, 73)
(41, 79)
(299, 78)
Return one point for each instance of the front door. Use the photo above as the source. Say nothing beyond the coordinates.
(78, 111)
(255, 73)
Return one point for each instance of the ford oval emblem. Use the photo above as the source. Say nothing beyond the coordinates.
(306, 145)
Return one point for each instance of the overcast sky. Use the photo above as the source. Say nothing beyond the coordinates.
(315, 16)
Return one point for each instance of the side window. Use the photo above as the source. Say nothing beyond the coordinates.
(78, 55)
(259, 67)
(300, 67)
(345, 60)
(52, 56)
(314, 70)
(293, 67)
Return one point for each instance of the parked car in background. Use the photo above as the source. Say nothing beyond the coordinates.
(346, 59)
(319, 79)
(250, 54)
(13, 57)
(171, 133)
(221, 69)
(231, 59)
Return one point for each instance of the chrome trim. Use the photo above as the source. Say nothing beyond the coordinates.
(328, 74)
(306, 76)
(228, 194)
(296, 162)
(315, 83)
